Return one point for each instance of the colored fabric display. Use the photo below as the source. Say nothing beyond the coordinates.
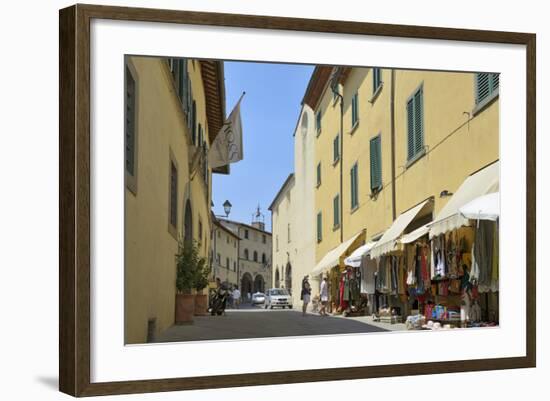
(411, 263)
(482, 264)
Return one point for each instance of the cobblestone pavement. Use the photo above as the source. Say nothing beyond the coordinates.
(256, 322)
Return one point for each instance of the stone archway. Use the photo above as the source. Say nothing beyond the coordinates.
(246, 285)
(259, 283)
(288, 277)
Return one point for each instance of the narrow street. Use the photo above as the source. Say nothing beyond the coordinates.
(257, 322)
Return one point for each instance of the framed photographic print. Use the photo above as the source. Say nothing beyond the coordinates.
(314, 200)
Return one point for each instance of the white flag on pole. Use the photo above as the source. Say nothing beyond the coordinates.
(228, 146)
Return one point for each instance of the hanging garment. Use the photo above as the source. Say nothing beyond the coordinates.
(484, 253)
(411, 263)
(494, 267)
(394, 274)
(402, 276)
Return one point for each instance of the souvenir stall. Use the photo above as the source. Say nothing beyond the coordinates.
(463, 259)
(391, 276)
(364, 269)
(342, 283)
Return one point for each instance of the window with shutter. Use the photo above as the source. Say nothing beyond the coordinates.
(319, 227)
(336, 148)
(415, 125)
(319, 174)
(354, 109)
(318, 122)
(336, 208)
(173, 195)
(376, 79)
(485, 85)
(130, 123)
(354, 187)
(194, 123)
(375, 163)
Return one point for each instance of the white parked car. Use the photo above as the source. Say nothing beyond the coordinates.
(278, 297)
(258, 298)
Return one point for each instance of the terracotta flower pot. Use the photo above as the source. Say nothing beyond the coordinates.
(185, 308)
(201, 304)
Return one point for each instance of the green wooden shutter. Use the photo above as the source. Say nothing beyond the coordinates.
(354, 109)
(319, 227)
(318, 122)
(494, 82)
(336, 208)
(336, 148)
(319, 174)
(418, 122)
(410, 129)
(375, 163)
(483, 86)
(130, 123)
(354, 186)
(376, 79)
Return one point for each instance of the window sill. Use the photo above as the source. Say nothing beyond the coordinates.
(354, 128)
(317, 186)
(376, 93)
(173, 231)
(374, 192)
(318, 132)
(353, 209)
(335, 162)
(485, 103)
(415, 158)
(336, 227)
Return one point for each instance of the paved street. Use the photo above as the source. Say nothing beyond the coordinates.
(256, 322)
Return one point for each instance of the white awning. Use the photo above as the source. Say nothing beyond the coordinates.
(354, 260)
(332, 258)
(481, 183)
(414, 235)
(389, 239)
(486, 207)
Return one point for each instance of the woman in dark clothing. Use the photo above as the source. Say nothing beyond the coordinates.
(305, 294)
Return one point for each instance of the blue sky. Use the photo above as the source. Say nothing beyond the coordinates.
(269, 112)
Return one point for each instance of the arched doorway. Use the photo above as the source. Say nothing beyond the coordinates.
(259, 283)
(246, 285)
(288, 277)
(277, 278)
(188, 223)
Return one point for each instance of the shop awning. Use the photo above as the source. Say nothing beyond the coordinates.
(332, 258)
(414, 235)
(354, 260)
(481, 183)
(388, 241)
(486, 207)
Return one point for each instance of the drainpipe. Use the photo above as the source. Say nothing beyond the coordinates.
(392, 128)
(334, 87)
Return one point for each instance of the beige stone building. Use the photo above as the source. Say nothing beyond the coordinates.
(293, 214)
(388, 141)
(255, 259)
(173, 110)
(224, 254)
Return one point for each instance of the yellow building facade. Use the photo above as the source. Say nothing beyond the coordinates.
(174, 108)
(403, 137)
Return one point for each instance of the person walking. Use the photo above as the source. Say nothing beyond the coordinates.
(305, 294)
(324, 297)
(236, 297)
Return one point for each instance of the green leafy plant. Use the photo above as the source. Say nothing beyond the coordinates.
(189, 267)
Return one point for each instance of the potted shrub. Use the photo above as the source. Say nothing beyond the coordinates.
(187, 260)
(201, 282)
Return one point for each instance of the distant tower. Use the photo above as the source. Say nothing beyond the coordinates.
(258, 219)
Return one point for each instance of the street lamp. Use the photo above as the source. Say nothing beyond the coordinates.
(227, 208)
